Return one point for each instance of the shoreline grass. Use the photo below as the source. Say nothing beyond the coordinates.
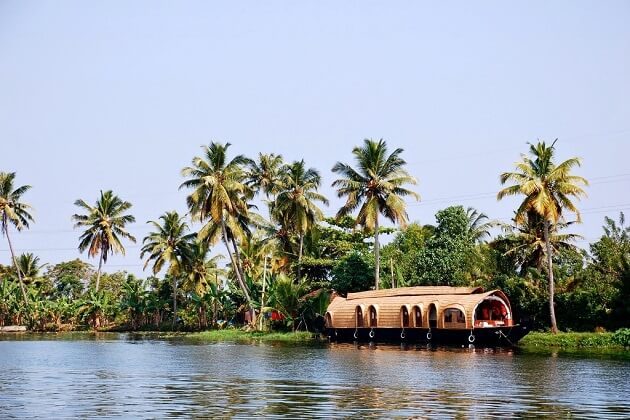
(574, 340)
(254, 336)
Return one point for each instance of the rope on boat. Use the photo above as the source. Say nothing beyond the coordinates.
(372, 333)
(402, 334)
(506, 337)
(429, 335)
(356, 333)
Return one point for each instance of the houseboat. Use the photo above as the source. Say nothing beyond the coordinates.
(425, 314)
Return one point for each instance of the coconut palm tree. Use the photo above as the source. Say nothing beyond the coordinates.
(479, 224)
(219, 194)
(105, 227)
(525, 241)
(201, 271)
(30, 268)
(13, 212)
(169, 244)
(295, 206)
(548, 189)
(266, 174)
(377, 187)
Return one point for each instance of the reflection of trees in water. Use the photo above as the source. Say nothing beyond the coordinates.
(402, 402)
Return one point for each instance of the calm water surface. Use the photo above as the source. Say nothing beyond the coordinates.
(122, 375)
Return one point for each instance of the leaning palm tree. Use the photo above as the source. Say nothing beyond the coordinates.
(168, 244)
(13, 212)
(548, 189)
(105, 227)
(295, 206)
(219, 195)
(377, 187)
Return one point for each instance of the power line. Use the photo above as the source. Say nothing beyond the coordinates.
(476, 196)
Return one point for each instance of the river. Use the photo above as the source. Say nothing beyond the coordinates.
(124, 375)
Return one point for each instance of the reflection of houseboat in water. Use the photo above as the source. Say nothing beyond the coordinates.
(426, 314)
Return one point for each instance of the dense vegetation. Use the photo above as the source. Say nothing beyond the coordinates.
(284, 261)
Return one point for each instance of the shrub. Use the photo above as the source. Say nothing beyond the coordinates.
(622, 337)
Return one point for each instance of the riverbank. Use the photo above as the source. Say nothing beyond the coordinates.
(618, 340)
(258, 336)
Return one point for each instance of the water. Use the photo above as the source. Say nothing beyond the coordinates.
(122, 375)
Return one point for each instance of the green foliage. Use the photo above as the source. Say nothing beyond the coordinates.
(402, 253)
(329, 241)
(353, 273)
(447, 257)
(622, 337)
(284, 297)
(69, 278)
(236, 335)
(575, 340)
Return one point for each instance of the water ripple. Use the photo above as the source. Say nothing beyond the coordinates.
(120, 377)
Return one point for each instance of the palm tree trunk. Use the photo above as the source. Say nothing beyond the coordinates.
(98, 272)
(552, 312)
(377, 256)
(174, 301)
(234, 264)
(299, 267)
(239, 266)
(17, 268)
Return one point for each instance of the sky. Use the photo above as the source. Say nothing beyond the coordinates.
(121, 95)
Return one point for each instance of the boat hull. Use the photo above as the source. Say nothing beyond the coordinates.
(480, 337)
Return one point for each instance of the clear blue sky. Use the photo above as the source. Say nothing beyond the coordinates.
(120, 95)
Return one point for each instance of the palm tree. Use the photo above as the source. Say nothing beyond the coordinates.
(548, 189)
(525, 241)
(13, 212)
(201, 270)
(105, 226)
(29, 267)
(377, 187)
(479, 224)
(295, 205)
(168, 244)
(219, 194)
(265, 175)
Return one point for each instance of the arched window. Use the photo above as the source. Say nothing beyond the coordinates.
(454, 318)
(359, 317)
(417, 317)
(404, 317)
(373, 317)
(432, 316)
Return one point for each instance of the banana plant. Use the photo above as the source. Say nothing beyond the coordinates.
(95, 308)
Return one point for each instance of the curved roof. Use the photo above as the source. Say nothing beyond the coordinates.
(389, 302)
(416, 291)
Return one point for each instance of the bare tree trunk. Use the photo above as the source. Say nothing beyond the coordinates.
(17, 268)
(552, 311)
(299, 267)
(377, 256)
(98, 273)
(234, 264)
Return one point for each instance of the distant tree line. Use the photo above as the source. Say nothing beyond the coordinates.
(282, 264)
